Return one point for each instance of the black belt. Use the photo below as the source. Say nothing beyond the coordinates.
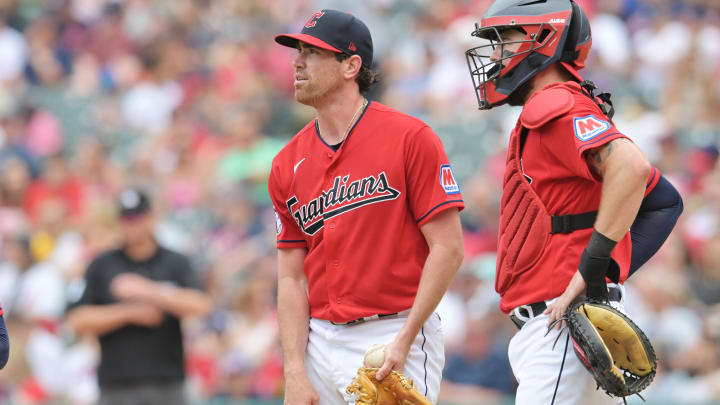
(372, 317)
(537, 308)
(572, 222)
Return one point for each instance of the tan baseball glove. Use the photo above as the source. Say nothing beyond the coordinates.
(395, 389)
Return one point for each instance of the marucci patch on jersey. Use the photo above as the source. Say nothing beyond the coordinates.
(588, 127)
(447, 180)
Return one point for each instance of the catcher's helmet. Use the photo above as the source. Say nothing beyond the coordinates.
(555, 31)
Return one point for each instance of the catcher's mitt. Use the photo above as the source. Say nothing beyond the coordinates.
(615, 350)
(394, 389)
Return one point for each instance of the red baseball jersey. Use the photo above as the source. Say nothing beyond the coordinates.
(358, 210)
(563, 124)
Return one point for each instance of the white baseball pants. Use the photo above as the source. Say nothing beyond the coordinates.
(537, 367)
(335, 352)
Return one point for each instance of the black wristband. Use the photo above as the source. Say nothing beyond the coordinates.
(595, 263)
(600, 245)
(593, 271)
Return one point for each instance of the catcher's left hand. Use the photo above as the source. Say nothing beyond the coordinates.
(394, 389)
(609, 344)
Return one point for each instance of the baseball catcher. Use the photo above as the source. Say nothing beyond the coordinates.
(582, 208)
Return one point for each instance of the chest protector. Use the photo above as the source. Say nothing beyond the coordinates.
(525, 224)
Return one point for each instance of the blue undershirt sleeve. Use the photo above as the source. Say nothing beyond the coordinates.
(656, 218)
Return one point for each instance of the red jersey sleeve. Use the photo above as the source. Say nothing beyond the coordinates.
(557, 135)
(288, 233)
(583, 128)
(431, 184)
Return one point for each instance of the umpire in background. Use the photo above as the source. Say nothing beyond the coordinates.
(134, 299)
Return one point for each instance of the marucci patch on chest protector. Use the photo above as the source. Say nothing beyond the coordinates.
(342, 197)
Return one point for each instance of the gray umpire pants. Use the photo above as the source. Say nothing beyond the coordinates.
(143, 394)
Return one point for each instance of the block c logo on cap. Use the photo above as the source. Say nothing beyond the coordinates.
(313, 19)
(447, 180)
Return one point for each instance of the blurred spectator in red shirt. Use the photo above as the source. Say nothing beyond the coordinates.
(55, 183)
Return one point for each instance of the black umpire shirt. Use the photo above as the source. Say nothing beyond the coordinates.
(134, 354)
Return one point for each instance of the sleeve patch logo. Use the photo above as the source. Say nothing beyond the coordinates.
(278, 223)
(447, 180)
(587, 128)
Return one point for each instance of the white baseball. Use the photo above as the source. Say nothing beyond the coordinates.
(375, 356)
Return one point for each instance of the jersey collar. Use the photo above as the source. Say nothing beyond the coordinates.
(317, 129)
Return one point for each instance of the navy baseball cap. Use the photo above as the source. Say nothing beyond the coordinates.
(133, 202)
(335, 31)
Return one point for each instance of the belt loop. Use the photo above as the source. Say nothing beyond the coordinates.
(615, 292)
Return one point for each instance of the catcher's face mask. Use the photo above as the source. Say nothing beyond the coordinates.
(500, 64)
(556, 31)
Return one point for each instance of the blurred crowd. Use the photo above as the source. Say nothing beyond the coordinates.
(191, 99)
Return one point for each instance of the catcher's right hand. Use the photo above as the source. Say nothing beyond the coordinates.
(394, 389)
